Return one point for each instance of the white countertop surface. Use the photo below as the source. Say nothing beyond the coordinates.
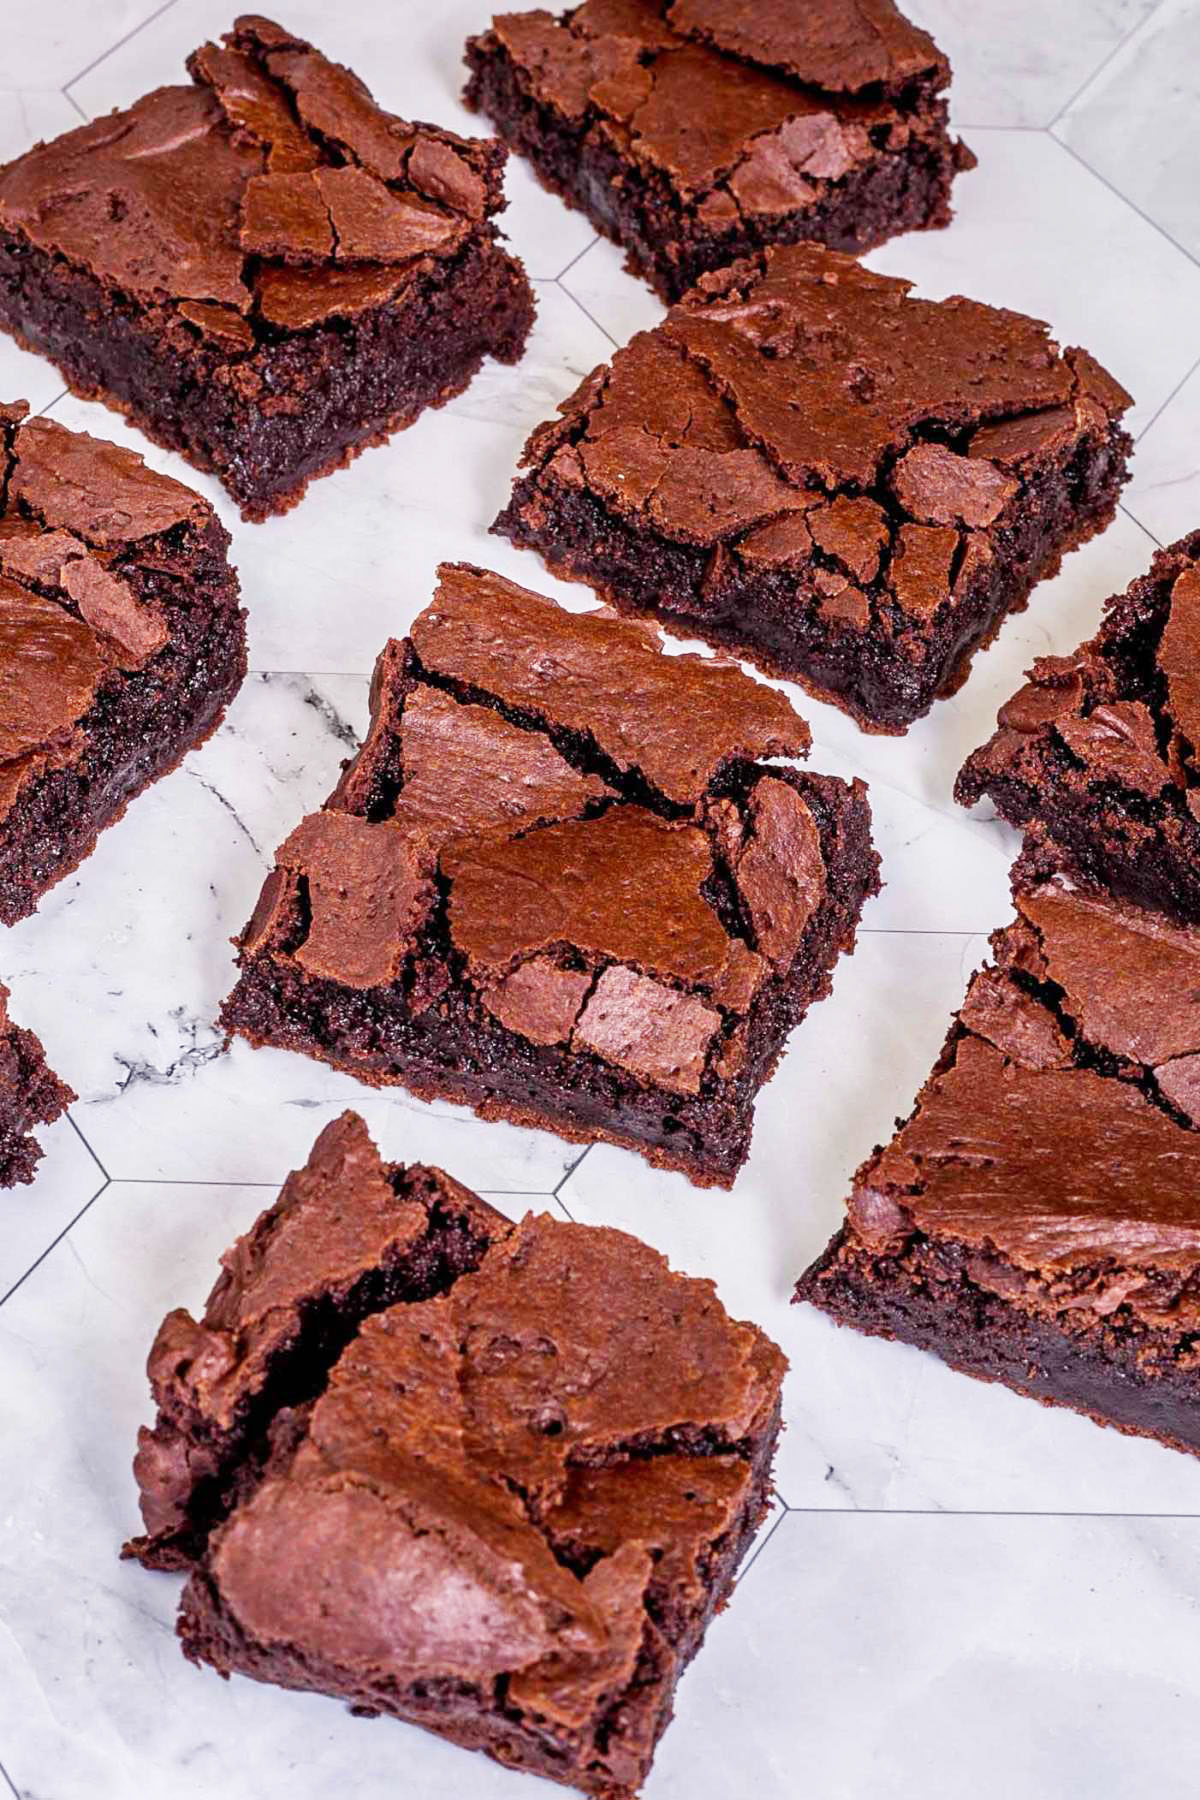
(961, 1594)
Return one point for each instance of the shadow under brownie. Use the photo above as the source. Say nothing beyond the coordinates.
(121, 642)
(846, 483)
(700, 131)
(557, 885)
(490, 1478)
(30, 1094)
(264, 270)
(1097, 753)
(1037, 1219)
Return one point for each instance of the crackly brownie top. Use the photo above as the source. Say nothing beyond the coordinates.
(520, 1448)
(1124, 709)
(338, 1222)
(271, 194)
(743, 108)
(75, 514)
(806, 412)
(1059, 1138)
(574, 820)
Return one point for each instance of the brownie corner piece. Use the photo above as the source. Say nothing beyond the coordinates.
(560, 884)
(30, 1094)
(264, 270)
(1061, 1255)
(490, 1478)
(826, 123)
(1096, 755)
(846, 483)
(121, 641)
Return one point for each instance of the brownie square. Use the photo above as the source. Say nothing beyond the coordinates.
(1036, 1221)
(492, 1479)
(30, 1094)
(847, 484)
(265, 270)
(1097, 753)
(700, 131)
(121, 642)
(557, 886)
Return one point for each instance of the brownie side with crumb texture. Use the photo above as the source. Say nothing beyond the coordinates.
(121, 642)
(558, 884)
(265, 271)
(1097, 754)
(1062, 1255)
(807, 465)
(30, 1094)
(398, 1397)
(702, 131)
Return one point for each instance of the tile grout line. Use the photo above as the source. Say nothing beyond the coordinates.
(1159, 411)
(587, 315)
(575, 261)
(1124, 198)
(759, 1548)
(73, 102)
(1134, 520)
(113, 48)
(10, 1782)
(1098, 71)
(54, 1243)
(88, 1147)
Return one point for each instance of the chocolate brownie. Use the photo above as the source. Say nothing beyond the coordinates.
(1037, 1219)
(700, 131)
(121, 642)
(1097, 753)
(557, 885)
(848, 484)
(29, 1095)
(265, 270)
(493, 1479)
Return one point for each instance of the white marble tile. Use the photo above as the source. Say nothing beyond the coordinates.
(162, 895)
(869, 1658)
(1019, 64)
(1036, 231)
(1135, 124)
(1164, 494)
